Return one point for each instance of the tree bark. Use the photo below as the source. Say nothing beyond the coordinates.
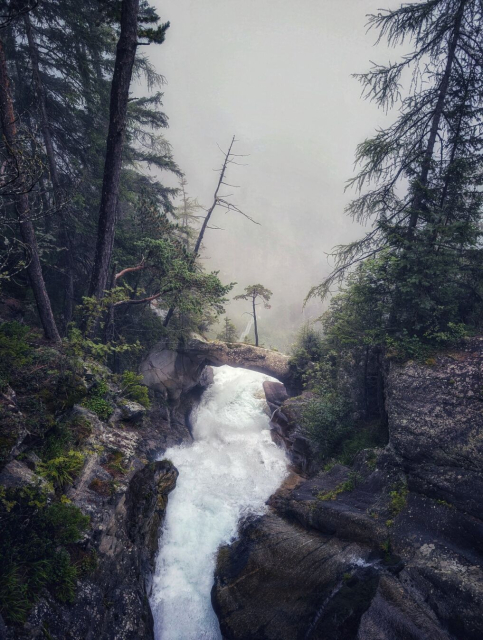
(34, 269)
(54, 173)
(125, 54)
(436, 121)
(255, 322)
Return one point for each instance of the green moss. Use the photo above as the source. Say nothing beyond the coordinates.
(97, 403)
(446, 504)
(349, 485)
(114, 463)
(398, 499)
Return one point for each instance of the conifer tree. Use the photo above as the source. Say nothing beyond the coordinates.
(255, 292)
(419, 179)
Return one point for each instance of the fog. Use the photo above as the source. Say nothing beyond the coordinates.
(277, 74)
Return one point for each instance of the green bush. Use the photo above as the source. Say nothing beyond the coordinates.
(15, 351)
(327, 420)
(132, 388)
(96, 401)
(63, 469)
(33, 549)
(308, 348)
(398, 499)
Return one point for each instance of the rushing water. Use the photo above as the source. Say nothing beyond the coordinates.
(229, 471)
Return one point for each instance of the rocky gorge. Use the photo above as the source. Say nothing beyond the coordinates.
(388, 548)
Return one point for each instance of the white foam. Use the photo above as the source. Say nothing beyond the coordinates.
(230, 471)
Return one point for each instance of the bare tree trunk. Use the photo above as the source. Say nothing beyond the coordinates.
(436, 121)
(54, 173)
(125, 54)
(204, 226)
(215, 201)
(34, 269)
(255, 322)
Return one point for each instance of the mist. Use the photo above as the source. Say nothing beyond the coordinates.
(278, 75)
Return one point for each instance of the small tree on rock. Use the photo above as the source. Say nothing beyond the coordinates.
(229, 333)
(254, 292)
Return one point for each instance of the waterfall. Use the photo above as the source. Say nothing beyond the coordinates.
(248, 328)
(228, 472)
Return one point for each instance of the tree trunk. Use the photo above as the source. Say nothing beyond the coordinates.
(436, 121)
(125, 54)
(215, 202)
(255, 322)
(27, 231)
(54, 174)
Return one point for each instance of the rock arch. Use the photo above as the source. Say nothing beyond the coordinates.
(175, 372)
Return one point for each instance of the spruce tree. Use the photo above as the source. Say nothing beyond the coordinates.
(419, 179)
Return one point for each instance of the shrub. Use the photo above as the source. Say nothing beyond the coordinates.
(97, 402)
(15, 351)
(33, 552)
(132, 388)
(327, 420)
(398, 499)
(63, 469)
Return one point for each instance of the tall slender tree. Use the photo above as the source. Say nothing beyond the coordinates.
(130, 31)
(27, 231)
(419, 179)
(54, 172)
(256, 293)
(123, 66)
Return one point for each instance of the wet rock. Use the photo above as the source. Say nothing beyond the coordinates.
(146, 502)
(287, 432)
(207, 377)
(275, 394)
(132, 411)
(175, 372)
(291, 574)
(125, 496)
(413, 509)
(436, 418)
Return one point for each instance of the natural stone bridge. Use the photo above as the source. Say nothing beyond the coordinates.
(178, 371)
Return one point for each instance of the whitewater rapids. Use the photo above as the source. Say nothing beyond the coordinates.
(228, 472)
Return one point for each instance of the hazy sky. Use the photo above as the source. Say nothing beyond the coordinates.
(277, 73)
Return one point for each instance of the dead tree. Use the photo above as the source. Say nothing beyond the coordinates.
(219, 200)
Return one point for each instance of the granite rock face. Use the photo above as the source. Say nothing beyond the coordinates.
(390, 549)
(125, 492)
(286, 430)
(436, 428)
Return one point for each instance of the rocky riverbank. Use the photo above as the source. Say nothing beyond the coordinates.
(120, 487)
(387, 549)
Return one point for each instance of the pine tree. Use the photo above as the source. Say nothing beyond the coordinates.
(229, 333)
(256, 292)
(419, 179)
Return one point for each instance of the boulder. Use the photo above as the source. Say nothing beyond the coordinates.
(275, 394)
(17, 474)
(132, 411)
(287, 432)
